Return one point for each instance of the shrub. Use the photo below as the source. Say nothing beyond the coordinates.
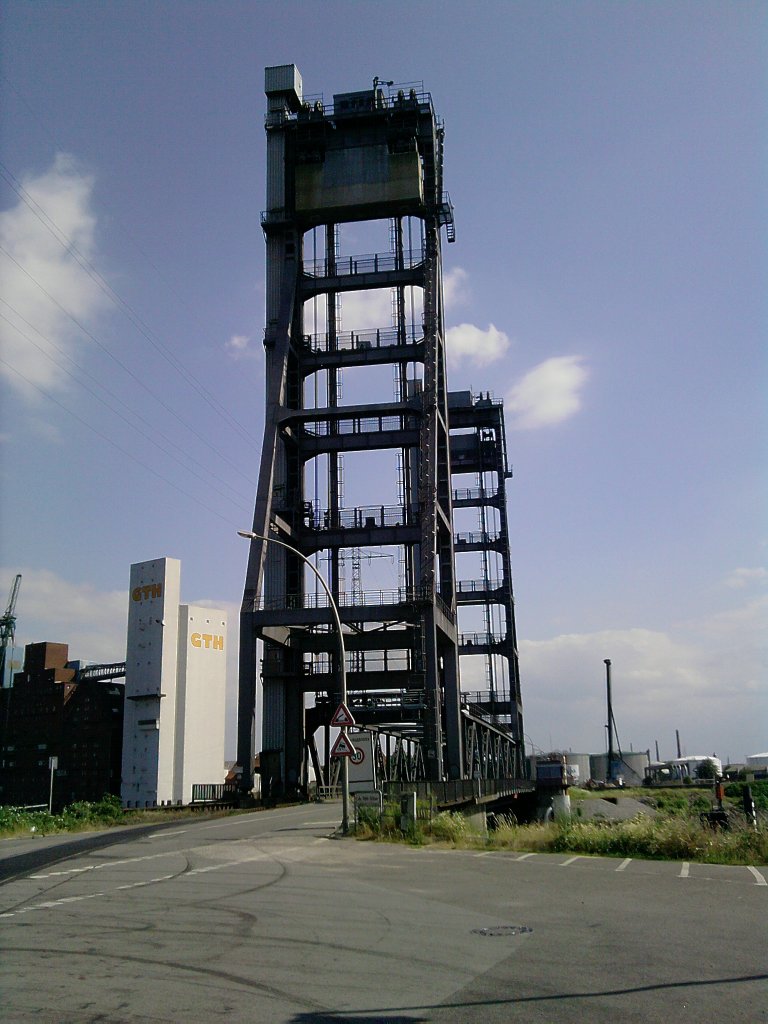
(450, 827)
(707, 770)
(74, 817)
(735, 791)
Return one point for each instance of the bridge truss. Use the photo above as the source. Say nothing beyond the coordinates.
(344, 478)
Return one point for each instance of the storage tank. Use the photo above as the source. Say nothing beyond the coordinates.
(757, 762)
(579, 769)
(630, 767)
(633, 767)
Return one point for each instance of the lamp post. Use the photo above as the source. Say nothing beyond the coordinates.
(250, 535)
(609, 773)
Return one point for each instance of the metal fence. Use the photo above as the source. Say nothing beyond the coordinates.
(222, 793)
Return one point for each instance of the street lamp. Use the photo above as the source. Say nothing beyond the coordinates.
(250, 535)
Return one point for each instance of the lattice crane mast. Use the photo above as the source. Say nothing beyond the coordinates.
(8, 626)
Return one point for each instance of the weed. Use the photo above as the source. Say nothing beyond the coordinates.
(671, 836)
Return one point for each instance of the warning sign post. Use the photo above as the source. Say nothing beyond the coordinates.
(342, 717)
(342, 747)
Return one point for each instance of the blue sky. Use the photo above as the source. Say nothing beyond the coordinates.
(606, 162)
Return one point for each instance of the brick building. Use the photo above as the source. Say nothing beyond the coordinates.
(50, 712)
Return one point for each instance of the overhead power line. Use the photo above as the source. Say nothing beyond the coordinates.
(123, 451)
(87, 266)
(147, 436)
(119, 362)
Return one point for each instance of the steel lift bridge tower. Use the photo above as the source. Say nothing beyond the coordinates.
(370, 162)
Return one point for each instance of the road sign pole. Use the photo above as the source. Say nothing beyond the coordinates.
(53, 763)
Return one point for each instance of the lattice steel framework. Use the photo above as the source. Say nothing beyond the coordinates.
(369, 156)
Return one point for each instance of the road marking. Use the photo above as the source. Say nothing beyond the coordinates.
(106, 864)
(246, 819)
(486, 853)
(569, 861)
(71, 871)
(685, 870)
(164, 835)
(52, 904)
(525, 856)
(760, 879)
(624, 864)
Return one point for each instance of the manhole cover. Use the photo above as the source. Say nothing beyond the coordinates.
(499, 930)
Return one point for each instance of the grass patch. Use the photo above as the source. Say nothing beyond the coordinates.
(89, 817)
(672, 836)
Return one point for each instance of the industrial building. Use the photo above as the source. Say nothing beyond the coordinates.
(57, 709)
(368, 456)
(175, 679)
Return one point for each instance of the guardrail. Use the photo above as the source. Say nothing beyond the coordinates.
(220, 794)
(459, 791)
(373, 263)
(365, 518)
(365, 598)
(478, 586)
(463, 539)
(351, 341)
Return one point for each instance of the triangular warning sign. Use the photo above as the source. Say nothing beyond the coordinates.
(342, 716)
(342, 747)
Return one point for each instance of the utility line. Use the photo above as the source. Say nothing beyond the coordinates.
(123, 451)
(119, 362)
(45, 130)
(86, 265)
(153, 440)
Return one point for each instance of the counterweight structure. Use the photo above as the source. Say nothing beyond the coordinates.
(370, 162)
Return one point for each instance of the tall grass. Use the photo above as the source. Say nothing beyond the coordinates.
(671, 837)
(76, 817)
(84, 816)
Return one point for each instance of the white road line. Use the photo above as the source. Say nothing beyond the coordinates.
(245, 819)
(525, 856)
(107, 864)
(685, 870)
(261, 855)
(52, 904)
(71, 871)
(485, 853)
(624, 864)
(569, 861)
(164, 835)
(760, 879)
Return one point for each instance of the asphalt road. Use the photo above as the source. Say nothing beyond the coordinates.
(263, 917)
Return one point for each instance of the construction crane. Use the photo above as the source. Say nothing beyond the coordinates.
(8, 626)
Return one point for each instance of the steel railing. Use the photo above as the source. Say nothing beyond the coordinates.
(351, 341)
(343, 266)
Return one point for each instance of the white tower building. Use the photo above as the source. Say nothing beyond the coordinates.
(200, 699)
(173, 730)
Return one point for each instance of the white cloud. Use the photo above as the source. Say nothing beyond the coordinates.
(548, 394)
(366, 310)
(741, 578)
(64, 193)
(360, 311)
(240, 346)
(93, 622)
(476, 346)
(455, 287)
(702, 677)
